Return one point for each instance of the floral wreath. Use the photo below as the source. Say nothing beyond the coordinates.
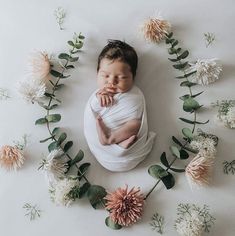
(124, 206)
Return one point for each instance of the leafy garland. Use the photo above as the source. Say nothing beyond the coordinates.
(97, 195)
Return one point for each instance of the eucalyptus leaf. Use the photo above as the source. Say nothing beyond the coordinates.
(164, 159)
(52, 146)
(176, 141)
(71, 43)
(77, 159)
(68, 145)
(82, 169)
(96, 195)
(55, 131)
(53, 118)
(180, 66)
(187, 133)
(193, 122)
(183, 154)
(186, 75)
(56, 74)
(175, 151)
(41, 121)
(177, 170)
(195, 95)
(64, 56)
(69, 67)
(61, 138)
(83, 189)
(174, 43)
(173, 59)
(190, 150)
(187, 84)
(168, 181)
(111, 224)
(190, 105)
(169, 35)
(79, 45)
(157, 171)
(183, 55)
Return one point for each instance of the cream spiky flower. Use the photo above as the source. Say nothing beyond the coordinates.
(207, 71)
(55, 165)
(31, 90)
(198, 171)
(39, 65)
(11, 158)
(155, 30)
(190, 225)
(125, 206)
(64, 191)
(203, 143)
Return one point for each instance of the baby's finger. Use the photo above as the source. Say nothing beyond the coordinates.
(107, 102)
(102, 101)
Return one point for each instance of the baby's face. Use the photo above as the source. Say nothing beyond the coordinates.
(115, 75)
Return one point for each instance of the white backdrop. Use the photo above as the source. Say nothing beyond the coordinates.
(28, 25)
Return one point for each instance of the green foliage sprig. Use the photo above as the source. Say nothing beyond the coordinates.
(58, 138)
(4, 94)
(157, 223)
(229, 167)
(180, 150)
(209, 38)
(32, 211)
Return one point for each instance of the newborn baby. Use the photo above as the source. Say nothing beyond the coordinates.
(118, 110)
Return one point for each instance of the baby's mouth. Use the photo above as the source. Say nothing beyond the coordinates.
(111, 89)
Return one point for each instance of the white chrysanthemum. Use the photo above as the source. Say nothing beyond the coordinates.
(198, 171)
(207, 71)
(55, 165)
(190, 225)
(60, 192)
(39, 65)
(31, 90)
(204, 143)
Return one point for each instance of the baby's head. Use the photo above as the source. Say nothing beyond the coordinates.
(117, 65)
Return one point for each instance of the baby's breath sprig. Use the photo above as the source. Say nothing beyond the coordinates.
(229, 167)
(32, 211)
(209, 38)
(23, 143)
(157, 223)
(60, 16)
(4, 94)
(192, 219)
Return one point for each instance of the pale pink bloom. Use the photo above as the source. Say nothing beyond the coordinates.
(125, 206)
(39, 65)
(155, 30)
(11, 158)
(199, 170)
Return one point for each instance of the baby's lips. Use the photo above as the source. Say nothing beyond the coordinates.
(111, 90)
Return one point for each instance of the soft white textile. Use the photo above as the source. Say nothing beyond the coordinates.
(128, 106)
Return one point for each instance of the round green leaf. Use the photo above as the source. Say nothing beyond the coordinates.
(95, 195)
(190, 105)
(53, 118)
(183, 154)
(175, 151)
(157, 172)
(111, 224)
(187, 133)
(41, 121)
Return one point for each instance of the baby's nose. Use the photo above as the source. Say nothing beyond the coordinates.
(112, 80)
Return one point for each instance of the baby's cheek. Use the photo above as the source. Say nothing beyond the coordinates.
(100, 82)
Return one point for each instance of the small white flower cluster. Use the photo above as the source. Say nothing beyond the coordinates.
(229, 118)
(61, 191)
(33, 87)
(207, 71)
(190, 225)
(226, 112)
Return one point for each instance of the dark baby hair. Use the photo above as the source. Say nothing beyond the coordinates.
(116, 49)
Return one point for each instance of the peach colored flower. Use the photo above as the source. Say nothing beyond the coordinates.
(11, 158)
(39, 65)
(125, 206)
(155, 30)
(198, 171)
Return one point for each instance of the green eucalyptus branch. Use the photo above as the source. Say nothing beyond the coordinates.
(57, 138)
(191, 106)
(229, 167)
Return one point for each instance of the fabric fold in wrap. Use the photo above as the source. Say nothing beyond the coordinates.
(128, 106)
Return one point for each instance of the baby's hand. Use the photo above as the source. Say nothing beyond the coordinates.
(105, 98)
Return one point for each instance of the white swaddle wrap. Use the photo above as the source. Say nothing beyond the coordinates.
(128, 106)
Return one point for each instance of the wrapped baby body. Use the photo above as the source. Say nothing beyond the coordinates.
(128, 106)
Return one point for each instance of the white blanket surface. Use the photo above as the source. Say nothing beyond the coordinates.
(128, 106)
